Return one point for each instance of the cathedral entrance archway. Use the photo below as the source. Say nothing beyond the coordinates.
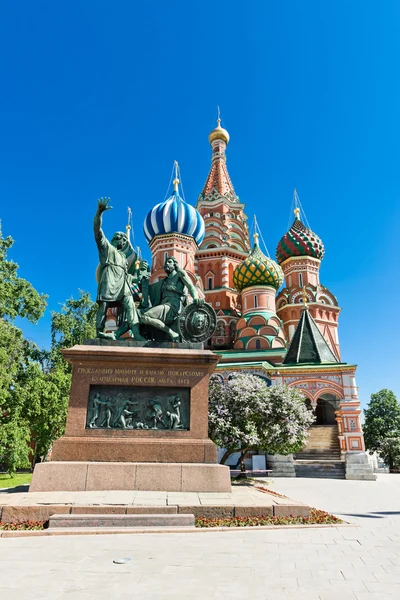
(327, 404)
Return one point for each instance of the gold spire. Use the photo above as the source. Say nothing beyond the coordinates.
(296, 204)
(176, 180)
(128, 226)
(219, 133)
(255, 238)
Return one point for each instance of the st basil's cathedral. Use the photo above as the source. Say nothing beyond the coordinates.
(286, 335)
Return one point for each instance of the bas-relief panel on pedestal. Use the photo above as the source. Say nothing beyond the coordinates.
(128, 407)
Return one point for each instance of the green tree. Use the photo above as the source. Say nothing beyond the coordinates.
(34, 384)
(245, 414)
(18, 298)
(47, 382)
(390, 452)
(382, 421)
(14, 435)
(75, 322)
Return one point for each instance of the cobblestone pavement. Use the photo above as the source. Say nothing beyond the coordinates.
(360, 562)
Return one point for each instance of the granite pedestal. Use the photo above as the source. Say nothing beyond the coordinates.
(96, 457)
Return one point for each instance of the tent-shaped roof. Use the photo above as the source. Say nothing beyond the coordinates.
(308, 345)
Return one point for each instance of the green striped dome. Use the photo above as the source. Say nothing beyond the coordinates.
(299, 241)
(257, 269)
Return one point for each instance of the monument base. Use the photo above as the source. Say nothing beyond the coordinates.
(82, 476)
(134, 449)
(137, 420)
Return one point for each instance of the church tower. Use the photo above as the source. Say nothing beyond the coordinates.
(226, 242)
(257, 279)
(173, 228)
(299, 253)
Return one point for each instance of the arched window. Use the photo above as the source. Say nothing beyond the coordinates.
(258, 344)
(300, 280)
(210, 283)
(255, 303)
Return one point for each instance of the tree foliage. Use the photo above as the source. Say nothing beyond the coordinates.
(75, 322)
(48, 381)
(382, 419)
(382, 425)
(246, 414)
(34, 383)
(390, 452)
(18, 297)
(14, 434)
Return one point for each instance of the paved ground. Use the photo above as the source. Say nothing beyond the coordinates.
(242, 502)
(240, 496)
(361, 562)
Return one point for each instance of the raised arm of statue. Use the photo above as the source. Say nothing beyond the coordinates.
(192, 288)
(102, 206)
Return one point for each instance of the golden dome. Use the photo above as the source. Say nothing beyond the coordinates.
(219, 133)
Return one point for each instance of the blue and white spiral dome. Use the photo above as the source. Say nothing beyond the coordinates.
(174, 216)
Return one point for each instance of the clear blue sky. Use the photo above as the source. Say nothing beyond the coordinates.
(98, 99)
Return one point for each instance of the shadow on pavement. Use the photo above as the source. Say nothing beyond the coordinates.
(387, 512)
(15, 490)
(364, 515)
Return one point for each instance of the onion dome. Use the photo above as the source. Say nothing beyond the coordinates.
(257, 270)
(174, 215)
(299, 241)
(219, 133)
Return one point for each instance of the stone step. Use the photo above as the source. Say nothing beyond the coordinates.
(320, 475)
(317, 436)
(323, 469)
(323, 451)
(327, 434)
(322, 438)
(318, 456)
(118, 521)
(319, 451)
(102, 531)
(321, 447)
(319, 468)
(318, 459)
(319, 462)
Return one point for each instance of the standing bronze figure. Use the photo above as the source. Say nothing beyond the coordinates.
(114, 287)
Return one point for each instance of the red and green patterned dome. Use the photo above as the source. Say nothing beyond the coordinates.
(299, 241)
(257, 270)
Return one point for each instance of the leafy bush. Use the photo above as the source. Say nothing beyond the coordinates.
(244, 413)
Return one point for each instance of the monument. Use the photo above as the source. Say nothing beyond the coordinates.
(138, 408)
